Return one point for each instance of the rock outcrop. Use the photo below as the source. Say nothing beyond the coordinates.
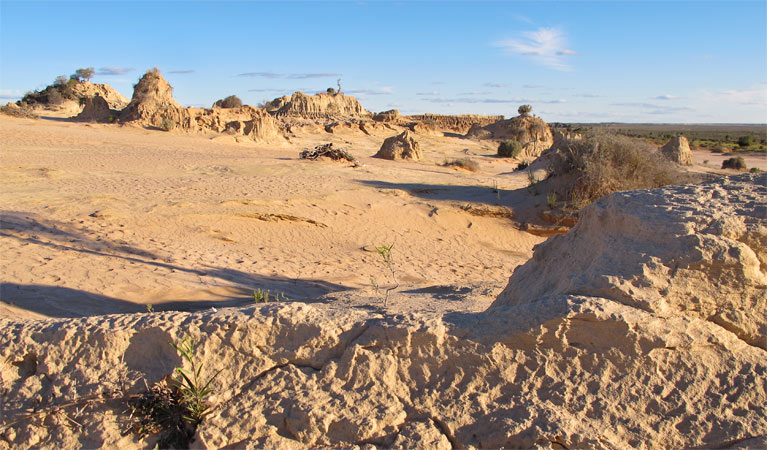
(677, 149)
(153, 104)
(391, 115)
(532, 132)
(626, 333)
(697, 251)
(86, 90)
(253, 123)
(401, 146)
(71, 95)
(458, 123)
(320, 106)
(96, 109)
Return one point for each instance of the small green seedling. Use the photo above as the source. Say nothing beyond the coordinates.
(260, 296)
(385, 252)
(551, 200)
(190, 383)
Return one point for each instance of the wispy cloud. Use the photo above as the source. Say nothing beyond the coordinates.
(652, 108)
(666, 97)
(303, 76)
(261, 74)
(10, 94)
(182, 71)
(383, 90)
(523, 18)
(267, 90)
(544, 46)
(756, 96)
(438, 82)
(427, 94)
(290, 76)
(475, 93)
(479, 100)
(532, 86)
(111, 70)
(495, 85)
(587, 95)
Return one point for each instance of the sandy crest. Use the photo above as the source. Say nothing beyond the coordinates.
(102, 219)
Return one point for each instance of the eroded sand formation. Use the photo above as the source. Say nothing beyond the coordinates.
(596, 342)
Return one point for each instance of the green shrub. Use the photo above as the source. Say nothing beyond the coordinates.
(331, 91)
(509, 149)
(734, 163)
(522, 166)
(229, 102)
(755, 170)
(82, 74)
(524, 110)
(745, 141)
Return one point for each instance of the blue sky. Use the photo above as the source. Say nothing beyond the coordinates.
(693, 61)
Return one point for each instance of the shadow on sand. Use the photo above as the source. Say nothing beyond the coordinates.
(57, 301)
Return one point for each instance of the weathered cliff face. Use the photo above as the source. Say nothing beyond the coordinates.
(545, 367)
(321, 106)
(458, 123)
(254, 123)
(153, 105)
(697, 251)
(532, 132)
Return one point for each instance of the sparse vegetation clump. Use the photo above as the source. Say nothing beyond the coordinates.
(81, 75)
(510, 149)
(737, 163)
(174, 408)
(193, 388)
(61, 90)
(23, 111)
(602, 163)
(463, 163)
(229, 102)
(524, 110)
(327, 150)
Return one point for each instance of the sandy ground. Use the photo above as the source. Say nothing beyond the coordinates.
(104, 219)
(99, 219)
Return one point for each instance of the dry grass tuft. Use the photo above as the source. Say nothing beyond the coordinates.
(463, 163)
(602, 163)
(24, 112)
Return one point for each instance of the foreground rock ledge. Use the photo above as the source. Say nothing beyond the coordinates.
(558, 370)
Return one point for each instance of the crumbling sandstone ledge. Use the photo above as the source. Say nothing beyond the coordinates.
(551, 369)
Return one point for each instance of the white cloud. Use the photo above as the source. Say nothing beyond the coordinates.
(432, 93)
(545, 46)
(666, 97)
(10, 94)
(111, 70)
(383, 90)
